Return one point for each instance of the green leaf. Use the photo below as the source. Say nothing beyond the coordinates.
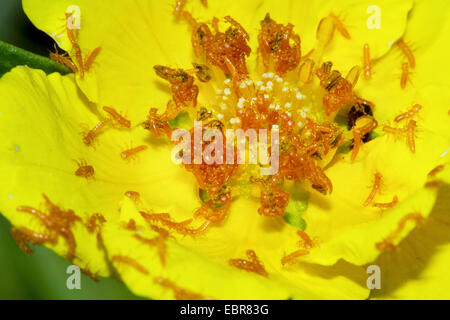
(11, 56)
(182, 121)
(298, 203)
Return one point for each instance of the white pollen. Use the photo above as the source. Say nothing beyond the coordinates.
(299, 96)
(224, 98)
(243, 85)
(270, 75)
(288, 113)
(220, 116)
(240, 103)
(302, 113)
(227, 81)
(232, 120)
(269, 84)
(272, 106)
(248, 82)
(259, 83)
(10, 196)
(223, 106)
(280, 80)
(266, 96)
(263, 88)
(17, 148)
(264, 75)
(290, 123)
(288, 105)
(237, 120)
(285, 89)
(219, 91)
(275, 126)
(300, 124)
(277, 107)
(227, 91)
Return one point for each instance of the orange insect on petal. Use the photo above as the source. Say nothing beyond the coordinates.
(435, 171)
(366, 62)
(179, 6)
(251, 265)
(131, 225)
(133, 195)
(407, 52)
(290, 258)
(414, 110)
(117, 117)
(386, 205)
(410, 135)
(307, 242)
(131, 262)
(132, 152)
(376, 188)
(388, 242)
(404, 76)
(89, 137)
(84, 170)
(179, 293)
(91, 58)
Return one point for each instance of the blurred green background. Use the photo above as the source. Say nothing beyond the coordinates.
(42, 275)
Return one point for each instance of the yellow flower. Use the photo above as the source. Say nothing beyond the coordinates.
(41, 150)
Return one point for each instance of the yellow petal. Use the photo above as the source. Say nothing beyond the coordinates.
(357, 16)
(404, 173)
(417, 269)
(41, 119)
(134, 37)
(200, 264)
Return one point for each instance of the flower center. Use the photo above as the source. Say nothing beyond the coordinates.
(277, 94)
(268, 90)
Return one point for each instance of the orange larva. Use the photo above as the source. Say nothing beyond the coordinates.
(415, 109)
(130, 261)
(132, 152)
(375, 188)
(366, 62)
(118, 118)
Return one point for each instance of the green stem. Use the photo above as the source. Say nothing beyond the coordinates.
(11, 56)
